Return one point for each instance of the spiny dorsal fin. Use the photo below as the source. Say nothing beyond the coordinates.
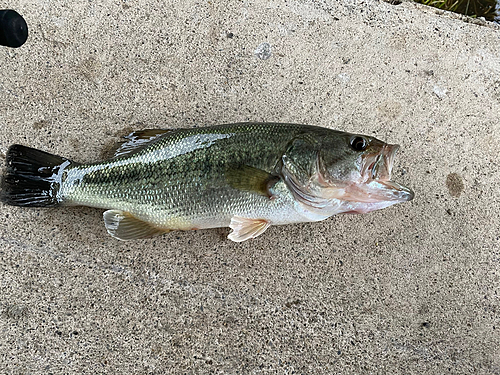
(123, 226)
(251, 179)
(138, 139)
(244, 229)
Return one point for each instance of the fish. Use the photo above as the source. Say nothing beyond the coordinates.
(245, 176)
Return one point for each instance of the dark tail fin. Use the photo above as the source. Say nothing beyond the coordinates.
(33, 177)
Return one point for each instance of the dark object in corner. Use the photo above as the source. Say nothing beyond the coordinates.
(13, 29)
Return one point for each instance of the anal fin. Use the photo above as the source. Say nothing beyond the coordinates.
(123, 226)
(244, 229)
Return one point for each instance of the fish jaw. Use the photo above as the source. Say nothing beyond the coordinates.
(386, 193)
(370, 188)
(367, 197)
(375, 189)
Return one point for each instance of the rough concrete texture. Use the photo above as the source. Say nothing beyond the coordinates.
(410, 289)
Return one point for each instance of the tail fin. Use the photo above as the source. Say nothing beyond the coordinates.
(33, 177)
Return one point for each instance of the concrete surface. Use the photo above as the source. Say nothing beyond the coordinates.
(413, 289)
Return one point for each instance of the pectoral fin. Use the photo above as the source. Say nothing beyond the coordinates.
(137, 140)
(251, 179)
(244, 229)
(124, 226)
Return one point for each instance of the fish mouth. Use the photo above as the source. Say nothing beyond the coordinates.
(379, 166)
(376, 174)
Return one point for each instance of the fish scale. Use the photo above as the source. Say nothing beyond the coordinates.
(246, 176)
(171, 172)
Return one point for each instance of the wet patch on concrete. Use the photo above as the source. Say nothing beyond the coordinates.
(455, 184)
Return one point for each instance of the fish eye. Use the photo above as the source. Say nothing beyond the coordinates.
(358, 143)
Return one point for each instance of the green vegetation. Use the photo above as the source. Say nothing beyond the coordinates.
(488, 9)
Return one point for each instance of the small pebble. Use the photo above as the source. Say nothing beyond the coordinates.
(263, 51)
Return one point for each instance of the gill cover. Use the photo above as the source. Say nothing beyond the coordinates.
(301, 172)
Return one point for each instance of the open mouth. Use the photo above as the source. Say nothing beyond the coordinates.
(379, 166)
(376, 173)
(370, 190)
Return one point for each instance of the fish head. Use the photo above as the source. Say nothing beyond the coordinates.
(357, 171)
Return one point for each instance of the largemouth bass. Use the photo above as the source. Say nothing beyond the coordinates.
(246, 176)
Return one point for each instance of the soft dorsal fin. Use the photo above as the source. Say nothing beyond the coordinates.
(251, 179)
(244, 228)
(123, 226)
(138, 139)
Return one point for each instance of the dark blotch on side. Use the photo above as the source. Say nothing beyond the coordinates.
(112, 174)
(455, 184)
